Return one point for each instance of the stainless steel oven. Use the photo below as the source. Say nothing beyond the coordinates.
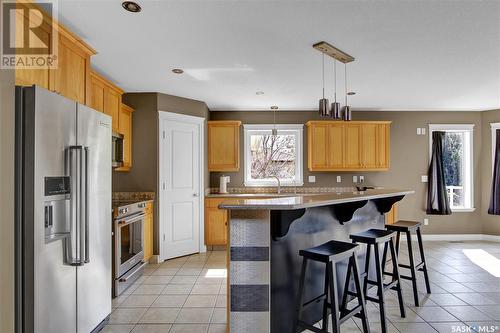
(128, 240)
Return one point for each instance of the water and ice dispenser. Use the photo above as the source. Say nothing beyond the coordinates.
(57, 208)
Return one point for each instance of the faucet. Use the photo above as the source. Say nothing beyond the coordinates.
(279, 184)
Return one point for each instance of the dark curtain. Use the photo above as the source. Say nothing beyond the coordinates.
(495, 187)
(437, 197)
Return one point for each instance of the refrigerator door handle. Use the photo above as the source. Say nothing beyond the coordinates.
(86, 232)
(73, 244)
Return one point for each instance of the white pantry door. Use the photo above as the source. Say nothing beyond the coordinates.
(180, 184)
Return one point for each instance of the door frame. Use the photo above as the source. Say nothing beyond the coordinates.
(200, 122)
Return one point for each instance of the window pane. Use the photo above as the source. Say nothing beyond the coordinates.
(272, 156)
(453, 161)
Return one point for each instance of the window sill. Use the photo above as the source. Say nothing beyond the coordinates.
(272, 185)
(463, 210)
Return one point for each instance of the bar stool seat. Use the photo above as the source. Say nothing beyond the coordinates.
(407, 227)
(330, 253)
(372, 236)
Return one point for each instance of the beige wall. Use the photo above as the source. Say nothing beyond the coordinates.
(143, 175)
(7, 201)
(491, 223)
(409, 160)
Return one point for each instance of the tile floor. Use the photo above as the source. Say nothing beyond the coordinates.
(189, 295)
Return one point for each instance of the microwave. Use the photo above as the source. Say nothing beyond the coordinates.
(117, 150)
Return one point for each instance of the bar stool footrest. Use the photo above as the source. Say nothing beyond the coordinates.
(310, 327)
(315, 300)
(344, 316)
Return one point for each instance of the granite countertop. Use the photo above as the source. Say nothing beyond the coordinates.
(292, 201)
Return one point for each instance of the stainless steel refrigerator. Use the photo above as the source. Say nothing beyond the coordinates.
(63, 214)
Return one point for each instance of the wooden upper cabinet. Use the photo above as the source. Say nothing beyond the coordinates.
(352, 142)
(105, 97)
(354, 145)
(125, 128)
(224, 145)
(318, 143)
(72, 76)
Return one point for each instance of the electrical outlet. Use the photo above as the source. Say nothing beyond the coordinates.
(361, 179)
(339, 179)
(312, 179)
(424, 179)
(426, 221)
(419, 131)
(354, 179)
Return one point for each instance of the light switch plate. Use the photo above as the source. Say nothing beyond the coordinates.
(424, 179)
(423, 130)
(419, 131)
(354, 179)
(312, 179)
(361, 179)
(426, 221)
(339, 179)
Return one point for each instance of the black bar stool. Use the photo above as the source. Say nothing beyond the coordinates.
(376, 237)
(331, 253)
(407, 227)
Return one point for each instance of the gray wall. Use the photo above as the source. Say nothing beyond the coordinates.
(491, 223)
(143, 175)
(409, 160)
(7, 200)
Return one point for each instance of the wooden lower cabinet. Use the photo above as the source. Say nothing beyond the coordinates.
(148, 233)
(391, 216)
(216, 221)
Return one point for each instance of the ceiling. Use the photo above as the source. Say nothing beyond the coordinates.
(410, 55)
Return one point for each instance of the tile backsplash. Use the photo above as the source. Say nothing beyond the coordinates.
(245, 190)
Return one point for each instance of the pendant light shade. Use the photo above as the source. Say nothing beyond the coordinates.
(347, 116)
(324, 104)
(335, 108)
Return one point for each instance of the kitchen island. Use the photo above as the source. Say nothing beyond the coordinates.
(265, 236)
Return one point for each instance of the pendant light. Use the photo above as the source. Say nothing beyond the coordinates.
(347, 109)
(274, 131)
(324, 107)
(335, 109)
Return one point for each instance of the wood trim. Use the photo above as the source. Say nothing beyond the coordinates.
(106, 81)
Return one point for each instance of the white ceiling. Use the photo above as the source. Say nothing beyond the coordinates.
(410, 55)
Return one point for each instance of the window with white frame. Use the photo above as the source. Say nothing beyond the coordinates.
(268, 156)
(457, 162)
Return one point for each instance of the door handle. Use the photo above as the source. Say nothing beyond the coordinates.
(196, 195)
(86, 210)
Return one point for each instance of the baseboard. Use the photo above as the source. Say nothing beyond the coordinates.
(155, 259)
(455, 237)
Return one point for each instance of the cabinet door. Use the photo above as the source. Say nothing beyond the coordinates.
(318, 146)
(97, 92)
(125, 128)
(336, 146)
(224, 145)
(148, 236)
(369, 146)
(71, 76)
(112, 104)
(383, 146)
(215, 226)
(352, 144)
(28, 77)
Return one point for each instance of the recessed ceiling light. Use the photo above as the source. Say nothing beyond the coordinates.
(274, 107)
(131, 6)
(259, 93)
(177, 71)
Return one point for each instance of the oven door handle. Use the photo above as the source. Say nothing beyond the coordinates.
(124, 222)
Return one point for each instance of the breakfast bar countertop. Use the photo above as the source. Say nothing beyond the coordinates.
(292, 201)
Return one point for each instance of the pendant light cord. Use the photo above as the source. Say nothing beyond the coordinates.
(345, 82)
(335, 79)
(323, 71)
